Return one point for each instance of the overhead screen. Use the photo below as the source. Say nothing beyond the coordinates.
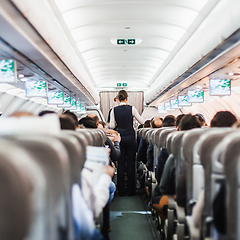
(161, 109)
(36, 88)
(183, 101)
(167, 106)
(174, 104)
(195, 96)
(220, 87)
(8, 73)
(55, 97)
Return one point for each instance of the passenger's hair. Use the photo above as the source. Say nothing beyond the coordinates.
(169, 121)
(87, 122)
(156, 122)
(102, 123)
(122, 95)
(22, 114)
(178, 119)
(223, 119)
(44, 112)
(73, 116)
(201, 119)
(94, 117)
(140, 126)
(67, 122)
(188, 122)
(147, 124)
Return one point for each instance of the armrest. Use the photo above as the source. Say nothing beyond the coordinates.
(171, 202)
(180, 212)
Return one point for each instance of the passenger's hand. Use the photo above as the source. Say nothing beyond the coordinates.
(117, 138)
(109, 170)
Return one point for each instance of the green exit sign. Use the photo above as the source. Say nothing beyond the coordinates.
(121, 41)
(131, 41)
(119, 84)
(124, 84)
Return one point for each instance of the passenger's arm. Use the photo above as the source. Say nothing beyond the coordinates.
(112, 123)
(115, 149)
(137, 116)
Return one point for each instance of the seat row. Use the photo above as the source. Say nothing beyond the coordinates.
(211, 157)
(39, 164)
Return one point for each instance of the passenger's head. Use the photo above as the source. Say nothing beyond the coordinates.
(73, 116)
(178, 119)
(223, 119)
(122, 95)
(67, 122)
(147, 124)
(42, 113)
(156, 122)
(103, 124)
(188, 122)
(169, 121)
(22, 114)
(94, 117)
(88, 122)
(140, 126)
(201, 119)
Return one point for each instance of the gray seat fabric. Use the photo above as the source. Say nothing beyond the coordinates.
(205, 147)
(87, 135)
(169, 142)
(15, 187)
(188, 142)
(19, 227)
(163, 136)
(52, 157)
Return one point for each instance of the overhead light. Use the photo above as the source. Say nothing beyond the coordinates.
(21, 75)
(230, 73)
(23, 79)
(127, 28)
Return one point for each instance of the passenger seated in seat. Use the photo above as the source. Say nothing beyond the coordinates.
(169, 121)
(66, 122)
(201, 119)
(167, 184)
(73, 116)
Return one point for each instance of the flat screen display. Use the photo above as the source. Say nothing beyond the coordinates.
(167, 106)
(161, 109)
(83, 109)
(195, 96)
(79, 106)
(67, 101)
(220, 87)
(74, 104)
(36, 88)
(55, 97)
(174, 104)
(8, 73)
(183, 101)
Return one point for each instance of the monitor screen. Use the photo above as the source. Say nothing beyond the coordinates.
(220, 87)
(83, 109)
(183, 101)
(174, 104)
(79, 106)
(195, 96)
(8, 73)
(55, 97)
(161, 109)
(167, 106)
(36, 88)
(74, 104)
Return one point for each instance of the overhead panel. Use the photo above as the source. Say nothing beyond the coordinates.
(155, 26)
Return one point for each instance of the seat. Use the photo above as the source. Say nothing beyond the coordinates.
(87, 135)
(23, 194)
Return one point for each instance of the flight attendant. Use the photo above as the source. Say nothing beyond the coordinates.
(121, 118)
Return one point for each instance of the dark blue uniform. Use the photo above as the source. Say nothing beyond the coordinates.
(124, 121)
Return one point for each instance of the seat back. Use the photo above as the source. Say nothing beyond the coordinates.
(149, 135)
(169, 141)
(163, 136)
(144, 132)
(188, 142)
(87, 134)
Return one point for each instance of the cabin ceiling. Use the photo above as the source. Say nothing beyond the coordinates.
(160, 27)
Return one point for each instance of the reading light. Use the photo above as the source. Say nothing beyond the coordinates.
(230, 73)
(21, 75)
(23, 79)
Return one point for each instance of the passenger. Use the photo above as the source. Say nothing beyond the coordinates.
(66, 122)
(122, 118)
(201, 119)
(223, 119)
(147, 124)
(168, 181)
(87, 122)
(22, 114)
(140, 126)
(103, 124)
(169, 121)
(42, 113)
(73, 116)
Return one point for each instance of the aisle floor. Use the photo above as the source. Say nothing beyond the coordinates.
(130, 220)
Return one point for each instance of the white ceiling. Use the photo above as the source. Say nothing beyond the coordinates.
(161, 26)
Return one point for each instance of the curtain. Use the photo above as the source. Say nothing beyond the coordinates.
(106, 101)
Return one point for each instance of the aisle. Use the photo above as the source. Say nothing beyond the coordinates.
(129, 219)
